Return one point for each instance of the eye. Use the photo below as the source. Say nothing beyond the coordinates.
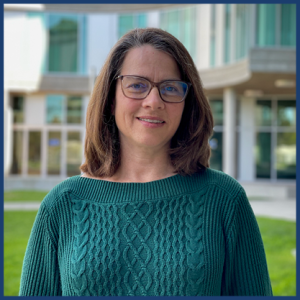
(170, 89)
(137, 86)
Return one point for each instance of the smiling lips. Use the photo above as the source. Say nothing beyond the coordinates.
(151, 121)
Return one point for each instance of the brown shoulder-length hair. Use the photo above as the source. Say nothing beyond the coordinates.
(189, 150)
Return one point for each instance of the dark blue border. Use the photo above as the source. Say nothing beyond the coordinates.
(145, 2)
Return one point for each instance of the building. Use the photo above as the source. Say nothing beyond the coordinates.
(245, 54)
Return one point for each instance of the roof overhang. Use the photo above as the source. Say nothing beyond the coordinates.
(266, 71)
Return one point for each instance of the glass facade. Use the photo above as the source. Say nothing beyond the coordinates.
(129, 22)
(74, 110)
(54, 152)
(276, 25)
(227, 33)
(286, 155)
(275, 149)
(216, 141)
(217, 110)
(213, 36)
(54, 107)
(17, 160)
(216, 145)
(263, 113)
(182, 24)
(263, 155)
(66, 43)
(74, 153)
(242, 30)
(63, 118)
(61, 109)
(18, 109)
(288, 24)
(286, 113)
(34, 153)
(63, 43)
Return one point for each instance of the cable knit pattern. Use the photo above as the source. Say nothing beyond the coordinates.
(179, 236)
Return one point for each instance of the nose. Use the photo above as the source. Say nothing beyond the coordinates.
(153, 100)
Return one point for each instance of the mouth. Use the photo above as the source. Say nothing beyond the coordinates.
(156, 121)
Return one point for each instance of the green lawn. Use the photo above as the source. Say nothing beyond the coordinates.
(24, 196)
(279, 239)
(17, 228)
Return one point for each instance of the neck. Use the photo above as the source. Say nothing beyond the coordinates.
(143, 165)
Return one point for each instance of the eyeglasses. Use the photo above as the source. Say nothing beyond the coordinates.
(139, 88)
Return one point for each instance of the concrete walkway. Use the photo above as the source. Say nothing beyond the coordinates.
(284, 209)
(273, 208)
(21, 205)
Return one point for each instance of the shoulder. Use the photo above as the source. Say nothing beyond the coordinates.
(215, 180)
(61, 192)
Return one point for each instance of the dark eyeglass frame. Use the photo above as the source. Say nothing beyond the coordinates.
(154, 84)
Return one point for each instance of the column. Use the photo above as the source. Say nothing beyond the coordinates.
(229, 133)
(246, 165)
(220, 25)
(8, 133)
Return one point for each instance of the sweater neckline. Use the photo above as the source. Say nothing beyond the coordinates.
(117, 192)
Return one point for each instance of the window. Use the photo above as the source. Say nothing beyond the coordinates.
(64, 109)
(213, 36)
(242, 32)
(74, 109)
(129, 22)
(74, 153)
(18, 109)
(216, 141)
(227, 33)
(54, 152)
(276, 25)
(54, 106)
(288, 24)
(17, 160)
(34, 153)
(67, 34)
(275, 148)
(263, 155)
(182, 24)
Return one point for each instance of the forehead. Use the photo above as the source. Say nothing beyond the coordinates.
(151, 63)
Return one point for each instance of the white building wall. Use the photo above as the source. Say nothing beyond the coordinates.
(153, 19)
(8, 120)
(229, 136)
(24, 51)
(220, 24)
(203, 36)
(35, 109)
(102, 35)
(246, 159)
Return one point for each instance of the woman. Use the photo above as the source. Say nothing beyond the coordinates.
(147, 216)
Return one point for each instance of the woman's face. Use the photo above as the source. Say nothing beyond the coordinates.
(134, 118)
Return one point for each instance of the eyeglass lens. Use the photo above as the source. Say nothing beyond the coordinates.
(138, 88)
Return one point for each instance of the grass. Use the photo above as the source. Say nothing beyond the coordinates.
(279, 240)
(24, 196)
(17, 228)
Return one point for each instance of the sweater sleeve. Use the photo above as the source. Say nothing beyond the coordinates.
(40, 274)
(245, 270)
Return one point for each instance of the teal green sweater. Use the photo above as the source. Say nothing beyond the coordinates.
(179, 236)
